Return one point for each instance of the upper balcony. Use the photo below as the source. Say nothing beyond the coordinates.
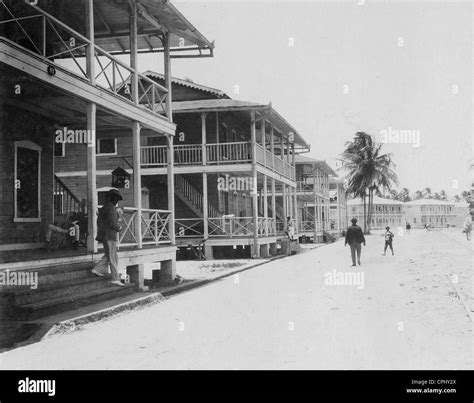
(223, 134)
(89, 46)
(223, 154)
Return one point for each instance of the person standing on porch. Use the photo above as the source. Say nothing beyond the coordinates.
(108, 228)
(355, 238)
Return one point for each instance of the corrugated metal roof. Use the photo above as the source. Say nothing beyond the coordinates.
(189, 84)
(221, 105)
(302, 159)
(112, 28)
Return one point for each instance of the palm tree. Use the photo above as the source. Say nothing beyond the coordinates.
(418, 195)
(443, 195)
(367, 171)
(457, 198)
(404, 195)
(427, 193)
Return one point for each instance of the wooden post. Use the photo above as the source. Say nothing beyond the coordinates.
(272, 146)
(273, 199)
(133, 50)
(170, 178)
(264, 141)
(203, 137)
(295, 210)
(285, 208)
(205, 205)
(253, 137)
(91, 110)
(167, 61)
(137, 182)
(315, 215)
(265, 203)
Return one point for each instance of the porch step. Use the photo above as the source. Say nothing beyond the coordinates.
(57, 289)
(63, 303)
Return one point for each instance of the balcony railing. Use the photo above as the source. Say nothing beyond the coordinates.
(154, 223)
(49, 38)
(228, 227)
(215, 154)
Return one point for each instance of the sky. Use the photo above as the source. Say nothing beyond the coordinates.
(333, 68)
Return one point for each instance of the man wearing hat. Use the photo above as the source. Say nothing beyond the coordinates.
(108, 227)
(355, 238)
(388, 240)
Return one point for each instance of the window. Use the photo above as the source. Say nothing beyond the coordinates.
(27, 184)
(107, 147)
(59, 149)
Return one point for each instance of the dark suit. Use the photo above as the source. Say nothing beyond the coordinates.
(108, 228)
(355, 237)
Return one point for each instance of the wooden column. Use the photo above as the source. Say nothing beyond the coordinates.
(203, 138)
(91, 111)
(272, 146)
(285, 208)
(137, 182)
(264, 141)
(91, 178)
(265, 203)
(205, 205)
(170, 179)
(253, 136)
(290, 202)
(167, 69)
(133, 51)
(273, 198)
(315, 216)
(295, 210)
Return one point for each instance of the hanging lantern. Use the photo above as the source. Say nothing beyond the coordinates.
(120, 178)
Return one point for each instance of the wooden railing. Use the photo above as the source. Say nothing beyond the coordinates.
(189, 227)
(226, 153)
(65, 202)
(193, 195)
(310, 226)
(51, 39)
(154, 227)
(216, 154)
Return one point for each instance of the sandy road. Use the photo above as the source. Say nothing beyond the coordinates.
(284, 315)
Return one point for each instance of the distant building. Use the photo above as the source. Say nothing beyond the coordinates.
(436, 213)
(385, 212)
(461, 211)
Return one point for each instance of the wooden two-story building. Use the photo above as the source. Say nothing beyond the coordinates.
(313, 178)
(62, 72)
(231, 160)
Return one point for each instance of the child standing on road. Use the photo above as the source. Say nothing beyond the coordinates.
(388, 240)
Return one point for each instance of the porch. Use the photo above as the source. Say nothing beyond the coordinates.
(216, 155)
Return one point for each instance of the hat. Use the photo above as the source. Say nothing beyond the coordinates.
(354, 219)
(387, 227)
(115, 194)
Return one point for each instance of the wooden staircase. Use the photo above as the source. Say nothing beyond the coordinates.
(61, 287)
(193, 198)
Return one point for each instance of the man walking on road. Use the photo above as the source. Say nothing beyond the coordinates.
(355, 238)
